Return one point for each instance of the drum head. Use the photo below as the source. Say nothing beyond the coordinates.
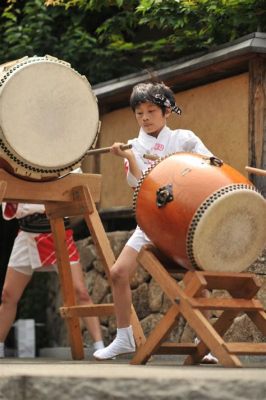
(228, 231)
(48, 113)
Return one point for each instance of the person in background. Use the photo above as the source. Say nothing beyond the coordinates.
(34, 250)
(8, 233)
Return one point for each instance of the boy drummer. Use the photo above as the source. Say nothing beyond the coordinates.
(152, 104)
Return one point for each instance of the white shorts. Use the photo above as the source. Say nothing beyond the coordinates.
(138, 239)
(27, 256)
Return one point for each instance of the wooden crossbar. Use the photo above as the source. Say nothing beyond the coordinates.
(176, 348)
(100, 310)
(226, 304)
(246, 348)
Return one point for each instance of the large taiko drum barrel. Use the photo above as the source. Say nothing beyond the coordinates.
(201, 213)
(48, 117)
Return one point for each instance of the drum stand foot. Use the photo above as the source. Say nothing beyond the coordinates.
(73, 195)
(189, 304)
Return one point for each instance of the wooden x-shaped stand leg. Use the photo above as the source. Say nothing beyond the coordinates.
(188, 303)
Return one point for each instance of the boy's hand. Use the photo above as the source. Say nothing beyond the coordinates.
(129, 155)
(116, 149)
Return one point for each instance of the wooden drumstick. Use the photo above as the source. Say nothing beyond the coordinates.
(151, 157)
(256, 171)
(103, 150)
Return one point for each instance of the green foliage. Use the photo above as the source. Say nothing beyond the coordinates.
(25, 30)
(105, 39)
(199, 24)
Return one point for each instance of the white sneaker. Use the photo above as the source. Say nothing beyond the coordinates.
(209, 359)
(116, 348)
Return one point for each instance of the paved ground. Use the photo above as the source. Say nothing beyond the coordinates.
(56, 379)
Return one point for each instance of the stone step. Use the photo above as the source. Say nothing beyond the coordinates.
(53, 379)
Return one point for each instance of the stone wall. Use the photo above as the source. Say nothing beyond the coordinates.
(149, 301)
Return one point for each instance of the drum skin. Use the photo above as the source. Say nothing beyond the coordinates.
(199, 192)
(49, 118)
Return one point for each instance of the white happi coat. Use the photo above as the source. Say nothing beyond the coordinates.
(168, 142)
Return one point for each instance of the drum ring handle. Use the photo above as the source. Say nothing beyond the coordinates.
(216, 161)
(164, 195)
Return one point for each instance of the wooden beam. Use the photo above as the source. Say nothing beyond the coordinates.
(162, 330)
(177, 348)
(226, 304)
(259, 319)
(257, 119)
(3, 186)
(246, 348)
(67, 288)
(22, 191)
(204, 329)
(93, 310)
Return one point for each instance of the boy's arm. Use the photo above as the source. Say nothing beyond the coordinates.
(130, 161)
(133, 166)
(195, 145)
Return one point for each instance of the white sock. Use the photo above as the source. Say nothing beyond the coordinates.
(98, 345)
(125, 333)
(2, 350)
(122, 344)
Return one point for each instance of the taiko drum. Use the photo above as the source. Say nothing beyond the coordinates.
(201, 212)
(48, 118)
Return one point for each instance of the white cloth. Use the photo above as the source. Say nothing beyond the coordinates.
(21, 211)
(32, 251)
(168, 142)
(138, 239)
(25, 252)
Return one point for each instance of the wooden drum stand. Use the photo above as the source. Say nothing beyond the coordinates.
(187, 302)
(72, 195)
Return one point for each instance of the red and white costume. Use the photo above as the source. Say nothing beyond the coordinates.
(168, 142)
(34, 250)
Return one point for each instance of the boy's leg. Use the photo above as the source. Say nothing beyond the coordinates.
(83, 298)
(121, 272)
(14, 286)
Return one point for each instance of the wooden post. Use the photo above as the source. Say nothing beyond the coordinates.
(67, 290)
(257, 119)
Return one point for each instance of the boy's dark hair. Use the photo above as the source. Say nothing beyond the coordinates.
(157, 93)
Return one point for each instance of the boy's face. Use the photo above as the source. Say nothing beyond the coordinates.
(150, 118)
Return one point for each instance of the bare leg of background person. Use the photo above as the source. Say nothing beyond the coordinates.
(14, 286)
(83, 298)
